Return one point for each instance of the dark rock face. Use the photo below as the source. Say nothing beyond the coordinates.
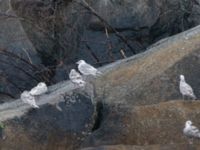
(49, 26)
(15, 75)
(140, 22)
(61, 127)
(41, 33)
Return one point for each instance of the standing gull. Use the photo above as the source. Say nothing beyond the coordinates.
(27, 98)
(87, 69)
(190, 130)
(41, 88)
(76, 78)
(186, 89)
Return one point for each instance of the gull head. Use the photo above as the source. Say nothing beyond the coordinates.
(182, 78)
(25, 93)
(41, 84)
(80, 62)
(73, 70)
(188, 123)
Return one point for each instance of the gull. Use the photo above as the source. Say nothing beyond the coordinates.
(41, 88)
(190, 130)
(27, 98)
(185, 88)
(76, 78)
(87, 69)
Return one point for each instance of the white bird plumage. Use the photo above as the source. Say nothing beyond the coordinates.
(41, 88)
(185, 88)
(76, 78)
(190, 130)
(27, 98)
(87, 69)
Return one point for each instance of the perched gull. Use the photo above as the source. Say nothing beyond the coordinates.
(27, 98)
(41, 88)
(76, 78)
(87, 69)
(190, 130)
(185, 89)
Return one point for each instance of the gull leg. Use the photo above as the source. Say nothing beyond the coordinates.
(183, 97)
(58, 107)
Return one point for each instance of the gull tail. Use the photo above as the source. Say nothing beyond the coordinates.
(194, 97)
(36, 106)
(197, 133)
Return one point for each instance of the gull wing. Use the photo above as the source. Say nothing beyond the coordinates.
(38, 90)
(88, 69)
(187, 89)
(194, 129)
(75, 75)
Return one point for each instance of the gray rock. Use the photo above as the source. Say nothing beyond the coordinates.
(63, 121)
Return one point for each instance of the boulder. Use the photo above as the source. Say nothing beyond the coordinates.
(13, 36)
(65, 117)
(161, 124)
(150, 78)
(153, 76)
